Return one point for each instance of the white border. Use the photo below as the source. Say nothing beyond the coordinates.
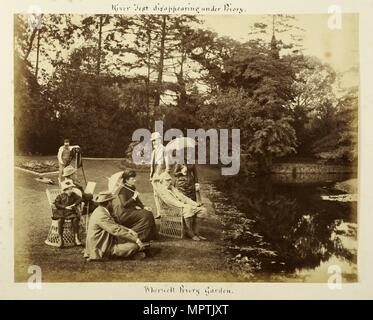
(361, 290)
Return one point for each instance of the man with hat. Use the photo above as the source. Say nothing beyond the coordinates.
(157, 157)
(103, 234)
(158, 164)
(66, 207)
(64, 157)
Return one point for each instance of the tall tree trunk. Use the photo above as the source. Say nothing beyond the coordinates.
(99, 46)
(148, 80)
(181, 82)
(161, 62)
(31, 42)
(37, 56)
(32, 37)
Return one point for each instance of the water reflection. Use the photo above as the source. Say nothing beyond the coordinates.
(291, 220)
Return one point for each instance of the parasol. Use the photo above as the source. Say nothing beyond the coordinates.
(115, 181)
(180, 143)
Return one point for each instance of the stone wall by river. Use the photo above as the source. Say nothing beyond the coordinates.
(310, 172)
(310, 168)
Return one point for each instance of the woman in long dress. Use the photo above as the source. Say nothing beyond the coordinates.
(130, 212)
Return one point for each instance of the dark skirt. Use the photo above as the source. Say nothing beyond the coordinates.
(141, 221)
(64, 214)
(186, 187)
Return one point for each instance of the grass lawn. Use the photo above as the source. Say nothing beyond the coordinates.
(178, 261)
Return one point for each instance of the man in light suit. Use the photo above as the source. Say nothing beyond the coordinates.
(103, 234)
(157, 166)
(64, 157)
(172, 197)
(158, 163)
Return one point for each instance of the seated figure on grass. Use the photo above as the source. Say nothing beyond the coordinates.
(66, 207)
(104, 233)
(191, 210)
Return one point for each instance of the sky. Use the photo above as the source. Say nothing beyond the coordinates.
(337, 47)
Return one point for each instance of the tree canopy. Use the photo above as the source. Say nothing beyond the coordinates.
(96, 78)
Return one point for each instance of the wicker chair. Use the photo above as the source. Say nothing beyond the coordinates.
(68, 234)
(172, 222)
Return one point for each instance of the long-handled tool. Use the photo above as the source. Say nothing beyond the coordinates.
(81, 164)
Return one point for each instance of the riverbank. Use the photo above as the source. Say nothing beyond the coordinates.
(252, 229)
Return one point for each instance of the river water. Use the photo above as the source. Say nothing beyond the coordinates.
(292, 231)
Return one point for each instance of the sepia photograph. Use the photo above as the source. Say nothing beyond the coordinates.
(186, 148)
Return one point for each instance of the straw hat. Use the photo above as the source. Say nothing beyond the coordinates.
(68, 171)
(104, 196)
(67, 184)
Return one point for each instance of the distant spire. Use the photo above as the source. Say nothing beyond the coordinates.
(273, 43)
(274, 49)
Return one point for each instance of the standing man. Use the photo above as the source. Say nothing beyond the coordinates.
(64, 157)
(103, 234)
(157, 166)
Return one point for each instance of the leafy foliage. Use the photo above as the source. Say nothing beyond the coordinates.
(102, 76)
(256, 98)
(341, 142)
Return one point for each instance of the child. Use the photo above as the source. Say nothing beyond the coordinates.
(67, 208)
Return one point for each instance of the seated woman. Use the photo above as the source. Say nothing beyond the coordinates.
(130, 212)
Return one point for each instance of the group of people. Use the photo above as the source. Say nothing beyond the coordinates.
(119, 223)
